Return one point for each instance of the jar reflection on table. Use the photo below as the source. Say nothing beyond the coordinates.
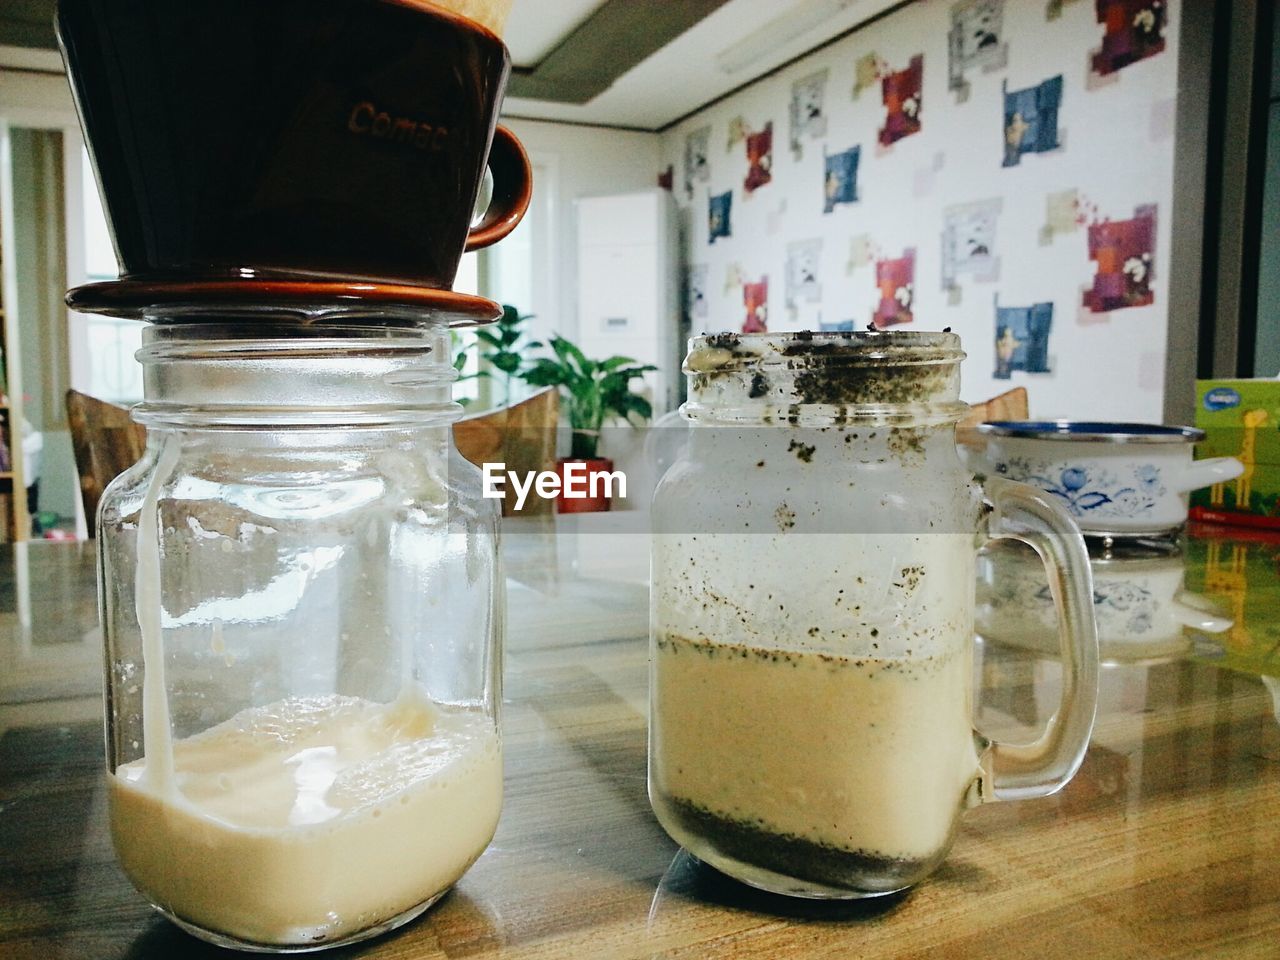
(303, 621)
(1143, 612)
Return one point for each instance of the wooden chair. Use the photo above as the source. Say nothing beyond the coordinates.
(1010, 405)
(523, 436)
(106, 443)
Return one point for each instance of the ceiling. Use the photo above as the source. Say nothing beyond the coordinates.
(639, 64)
(535, 28)
(27, 23)
(693, 52)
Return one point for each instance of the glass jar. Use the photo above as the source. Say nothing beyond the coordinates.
(811, 688)
(303, 616)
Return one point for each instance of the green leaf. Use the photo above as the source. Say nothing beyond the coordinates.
(561, 347)
(639, 405)
(571, 350)
(583, 391)
(545, 373)
(613, 363)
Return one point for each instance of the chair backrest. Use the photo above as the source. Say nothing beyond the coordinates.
(523, 436)
(1010, 405)
(106, 442)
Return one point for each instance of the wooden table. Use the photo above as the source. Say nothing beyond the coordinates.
(1167, 844)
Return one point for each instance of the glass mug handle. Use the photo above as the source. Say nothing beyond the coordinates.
(512, 189)
(1023, 771)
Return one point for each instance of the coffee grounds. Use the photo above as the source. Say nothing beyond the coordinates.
(795, 856)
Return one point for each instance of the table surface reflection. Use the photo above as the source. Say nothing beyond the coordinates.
(1166, 844)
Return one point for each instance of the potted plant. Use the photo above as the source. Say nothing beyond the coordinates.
(593, 391)
(501, 339)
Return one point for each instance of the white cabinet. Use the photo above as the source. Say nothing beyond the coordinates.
(628, 297)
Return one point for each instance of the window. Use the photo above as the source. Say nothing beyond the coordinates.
(110, 343)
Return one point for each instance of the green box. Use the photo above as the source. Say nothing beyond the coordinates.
(1241, 418)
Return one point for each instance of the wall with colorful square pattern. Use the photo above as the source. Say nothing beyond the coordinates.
(1000, 167)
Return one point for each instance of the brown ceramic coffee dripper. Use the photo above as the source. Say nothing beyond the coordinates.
(310, 155)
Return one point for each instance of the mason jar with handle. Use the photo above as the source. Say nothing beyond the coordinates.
(812, 616)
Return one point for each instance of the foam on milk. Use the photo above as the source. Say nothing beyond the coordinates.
(312, 818)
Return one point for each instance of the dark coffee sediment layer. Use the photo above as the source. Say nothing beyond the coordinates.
(797, 857)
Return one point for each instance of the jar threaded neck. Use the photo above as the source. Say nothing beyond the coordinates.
(844, 376)
(244, 375)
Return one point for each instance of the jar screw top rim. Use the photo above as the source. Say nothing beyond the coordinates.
(724, 352)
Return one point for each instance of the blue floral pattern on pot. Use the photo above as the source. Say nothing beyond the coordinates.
(1088, 490)
(1122, 607)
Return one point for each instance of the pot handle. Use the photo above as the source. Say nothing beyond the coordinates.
(1192, 610)
(1204, 473)
(512, 190)
(1022, 771)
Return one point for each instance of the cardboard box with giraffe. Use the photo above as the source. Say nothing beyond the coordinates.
(1241, 418)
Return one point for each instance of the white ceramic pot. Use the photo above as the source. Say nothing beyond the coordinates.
(1138, 602)
(1116, 479)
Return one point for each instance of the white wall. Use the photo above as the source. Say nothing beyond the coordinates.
(572, 161)
(1117, 149)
